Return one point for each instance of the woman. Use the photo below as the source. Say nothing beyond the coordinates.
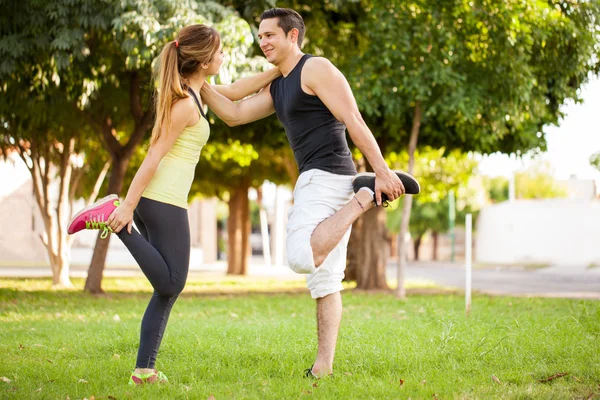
(157, 197)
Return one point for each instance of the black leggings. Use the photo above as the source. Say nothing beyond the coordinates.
(162, 250)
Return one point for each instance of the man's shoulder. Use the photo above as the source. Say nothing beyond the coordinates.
(317, 70)
(316, 63)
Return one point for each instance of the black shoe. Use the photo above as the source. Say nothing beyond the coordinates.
(367, 179)
(309, 374)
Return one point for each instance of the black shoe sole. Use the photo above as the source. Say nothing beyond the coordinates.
(367, 179)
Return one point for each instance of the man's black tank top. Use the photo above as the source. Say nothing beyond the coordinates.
(318, 140)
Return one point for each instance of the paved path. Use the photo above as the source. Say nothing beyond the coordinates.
(555, 281)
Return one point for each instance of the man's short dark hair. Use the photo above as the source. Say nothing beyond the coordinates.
(288, 19)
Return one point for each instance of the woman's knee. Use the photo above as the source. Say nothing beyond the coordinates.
(170, 290)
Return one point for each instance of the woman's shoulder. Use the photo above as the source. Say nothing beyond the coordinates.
(185, 109)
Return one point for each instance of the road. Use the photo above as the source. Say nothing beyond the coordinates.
(554, 281)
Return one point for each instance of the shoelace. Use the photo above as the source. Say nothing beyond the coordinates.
(99, 225)
(105, 231)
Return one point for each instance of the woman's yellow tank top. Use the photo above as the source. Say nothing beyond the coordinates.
(173, 179)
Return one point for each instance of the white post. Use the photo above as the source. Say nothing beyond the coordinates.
(279, 226)
(468, 262)
(264, 232)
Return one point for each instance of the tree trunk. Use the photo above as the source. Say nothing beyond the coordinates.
(354, 252)
(93, 282)
(289, 163)
(54, 235)
(60, 271)
(59, 261)
(416, 246)
(354, 255)
(412, 146)
(63, 213)
(60, 257)
(372, 257)
(264, 228)
(238, 229)
(435, 246)
(393, 243)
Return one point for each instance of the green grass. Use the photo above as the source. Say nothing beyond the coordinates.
(68, 344)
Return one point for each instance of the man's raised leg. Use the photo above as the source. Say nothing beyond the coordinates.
(329, 232)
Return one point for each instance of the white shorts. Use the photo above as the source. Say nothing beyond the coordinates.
(317, 196)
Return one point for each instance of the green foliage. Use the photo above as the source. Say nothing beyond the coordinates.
(537, 182)
(595, 160)
(490, 75)
(438, 173)
(101, 54)
(41, 123)
(496, 188)
(223, 167)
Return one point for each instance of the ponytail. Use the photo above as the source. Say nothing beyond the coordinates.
(169, 89)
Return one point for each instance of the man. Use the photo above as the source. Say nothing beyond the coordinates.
(315, 104)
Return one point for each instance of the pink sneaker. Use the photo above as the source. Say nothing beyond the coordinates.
(95, 216)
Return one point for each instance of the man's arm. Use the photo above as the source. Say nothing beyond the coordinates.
(245, 111)
(322, 78)
(247, 86)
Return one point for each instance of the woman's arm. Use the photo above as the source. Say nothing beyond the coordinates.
(247, 86)
(182, 114)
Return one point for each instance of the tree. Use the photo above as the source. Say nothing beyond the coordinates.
(53, 148)
(104, 52)
(478, 76)
(41, 122)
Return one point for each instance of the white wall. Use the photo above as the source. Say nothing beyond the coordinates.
(13, 174)
(556, 231)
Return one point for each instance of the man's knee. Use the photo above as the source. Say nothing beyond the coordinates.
(300, 257)
(301, 266)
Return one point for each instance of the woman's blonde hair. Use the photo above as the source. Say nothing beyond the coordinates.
(179, 59)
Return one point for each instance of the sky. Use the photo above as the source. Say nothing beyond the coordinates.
(570, 145)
